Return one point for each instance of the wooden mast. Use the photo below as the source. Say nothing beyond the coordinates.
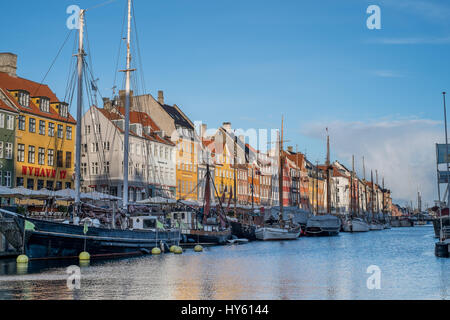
(328, 174)
(80, 67)
(281, 166)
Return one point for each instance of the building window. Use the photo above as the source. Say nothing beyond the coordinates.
(30, 184)
(68, 133)
(84, 169)
(58, 185)
(106, 146)
(41, 156)
(10, 122)
(87, 129)
(68, 185)
(97, 128)
(40, 184)
(68, 159)
(21, 153)
(94, 168)
(31, 154)
(2, 120)
(59, 159)
(32, 125)
(9, 150)
(19, 182)
(45, 105)
(64, 110)
(85, 148)
(60, 131)
(49, 185)
(22, 123)
(42, 127)
(106, 167)
(1, 149)
(51, 129)
(51, 157)
(24, 99)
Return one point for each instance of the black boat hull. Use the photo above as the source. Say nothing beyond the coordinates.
(241, 230)
(53, 240)
(201, 236)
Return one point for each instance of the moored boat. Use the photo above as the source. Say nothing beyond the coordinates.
(56, 240)
(355, 225)
(376, 226)
(276, 233)
(326, 225)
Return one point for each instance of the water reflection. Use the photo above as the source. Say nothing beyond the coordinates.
(310, 268)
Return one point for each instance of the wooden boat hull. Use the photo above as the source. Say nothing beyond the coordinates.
(272, 234)
(53, 240)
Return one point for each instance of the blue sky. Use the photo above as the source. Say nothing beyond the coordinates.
(250, 61)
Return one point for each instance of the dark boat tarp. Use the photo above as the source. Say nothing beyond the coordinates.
(298, 215)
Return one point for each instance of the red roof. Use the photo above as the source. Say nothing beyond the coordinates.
(4, 106)
(9, 83)
(137, 117)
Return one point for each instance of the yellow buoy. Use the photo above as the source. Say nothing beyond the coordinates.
(84, 256)
(178, 250)
(156, 251)
(22, 259)
(172, 248)
(198, 248)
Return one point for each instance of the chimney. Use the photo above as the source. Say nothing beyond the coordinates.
(8, 63)
(203, 129)
(227, 126)
(291, 149)
(161, 97)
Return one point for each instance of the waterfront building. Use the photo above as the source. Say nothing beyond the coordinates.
(265, 185)
(8, 115)
(151, 158)
(180, 129)
(45, 135)
(317, 188)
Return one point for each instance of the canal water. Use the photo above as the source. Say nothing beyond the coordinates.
(309, 268)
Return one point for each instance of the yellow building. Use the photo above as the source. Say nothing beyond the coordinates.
(45, 135)
(224, 172)
(186, 169)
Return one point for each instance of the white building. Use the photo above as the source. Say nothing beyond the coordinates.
(151, 155)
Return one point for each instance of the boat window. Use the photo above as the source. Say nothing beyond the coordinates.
(149, 223)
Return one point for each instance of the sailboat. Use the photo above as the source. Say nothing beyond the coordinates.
(279, 230)
(324, 225)
(354, 223)
(43, 239)
(213, 228)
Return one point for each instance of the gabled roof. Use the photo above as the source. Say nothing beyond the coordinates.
(136, 117)
(9, 83)
(4, 105)
(177, 116)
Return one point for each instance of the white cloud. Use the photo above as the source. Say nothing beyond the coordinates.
(403, 151)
